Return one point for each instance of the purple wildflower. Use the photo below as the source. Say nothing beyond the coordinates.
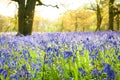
(83, 72)
(119, 57)
(107, 69)
(95, 73)
(67, 54)
(4, 73)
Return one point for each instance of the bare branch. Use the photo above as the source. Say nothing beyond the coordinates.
(93, 7)
(16, 0)
(40, 3)
(51, 5)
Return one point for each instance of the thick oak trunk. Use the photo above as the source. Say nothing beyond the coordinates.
(21, 20)
(25, 16)
(29, 15)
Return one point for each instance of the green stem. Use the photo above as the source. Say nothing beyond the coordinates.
(44, 66)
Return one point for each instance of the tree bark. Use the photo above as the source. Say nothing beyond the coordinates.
(25, 16)
(118, 19)
(29, 15)
(21, 15)
(118, 22)
(99, 17)
(111, 15)
(76, 24)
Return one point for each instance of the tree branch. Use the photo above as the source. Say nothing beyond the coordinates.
(51, 5)
(16, 0)
(92, 7)
(40, 3)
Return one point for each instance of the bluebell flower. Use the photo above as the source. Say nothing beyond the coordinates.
(115, 43)
(4, 73)
(38, 69)
(107, 69)
(24, 72)
(56, 51)
(35, 74)
(67, 54)
(95, 73)
(91, 48)
(24, 67)
(49, 49)
(111, 75)
(110, 37)
(29, 75)
(101, 47)
(15, 44)
(33, 65)
(26, 54)
(83, 72)
(48, 61)
(1, 70)
(87, 39)
(119, 57)
(13, 76)
(93, 56)
(2, 60)
(71, 78)
(59, 68)
(38, 59)
(14, 63)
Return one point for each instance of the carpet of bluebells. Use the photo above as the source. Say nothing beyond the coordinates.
(60, 56)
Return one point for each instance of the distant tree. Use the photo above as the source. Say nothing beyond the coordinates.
(4, 25)
(2, 22)
(26, 11)
(99, 17)
(117, 17)
(111, 14)
(117, 14)
(98, 7)
(75, 20)
(62, 25)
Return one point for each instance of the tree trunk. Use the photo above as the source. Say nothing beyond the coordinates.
(29, 15)
(25, 16)
(99, 17)
(21, 20)
(76, 24)
(118, 21)
(111, 14)
(62, 26)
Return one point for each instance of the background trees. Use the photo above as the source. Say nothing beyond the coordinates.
(100, 15)
(98, 8)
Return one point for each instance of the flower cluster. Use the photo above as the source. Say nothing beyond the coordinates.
(66, 56)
